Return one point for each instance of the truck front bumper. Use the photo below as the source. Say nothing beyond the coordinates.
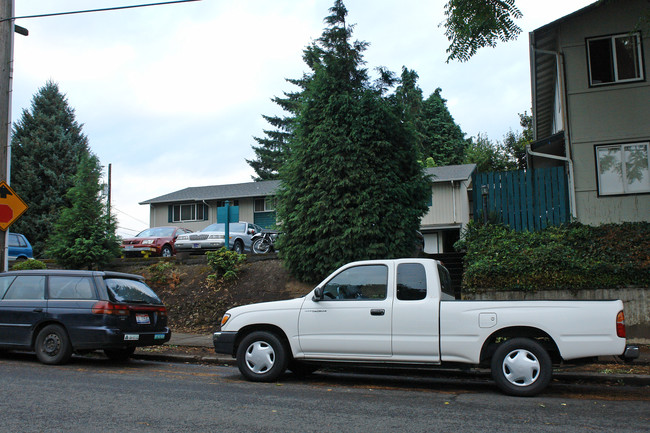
(224, 342)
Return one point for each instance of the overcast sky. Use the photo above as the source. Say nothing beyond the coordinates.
(173, 95)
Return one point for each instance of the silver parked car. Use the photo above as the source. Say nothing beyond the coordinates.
(213, 237)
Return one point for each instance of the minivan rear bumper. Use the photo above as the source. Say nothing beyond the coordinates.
(109, 338)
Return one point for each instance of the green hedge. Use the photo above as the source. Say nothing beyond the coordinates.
(569, 257)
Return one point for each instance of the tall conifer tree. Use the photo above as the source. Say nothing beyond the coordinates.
(47, 145)
(352, 187)
(84, 234)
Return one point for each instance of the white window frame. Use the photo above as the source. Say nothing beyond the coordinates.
(625, 185)
(612, 39)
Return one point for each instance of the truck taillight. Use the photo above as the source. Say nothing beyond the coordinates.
(620, 324)
(105, 307)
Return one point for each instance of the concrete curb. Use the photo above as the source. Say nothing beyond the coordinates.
(563, 376)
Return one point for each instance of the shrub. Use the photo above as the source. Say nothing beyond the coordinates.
(163, 273)
(28, 264)
(225, 263)
(570, 257)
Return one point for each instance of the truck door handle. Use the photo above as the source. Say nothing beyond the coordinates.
(377, 312)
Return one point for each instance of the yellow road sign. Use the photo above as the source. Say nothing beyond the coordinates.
(11, 206)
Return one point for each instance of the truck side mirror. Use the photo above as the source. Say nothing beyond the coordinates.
(318, 294)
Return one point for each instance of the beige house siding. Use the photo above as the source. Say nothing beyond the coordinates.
(450, 205)
(159, 216)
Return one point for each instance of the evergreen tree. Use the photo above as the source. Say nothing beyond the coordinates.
(84, 234)
(352, 187)
(272, 150)
(444, 141)
(47, 144)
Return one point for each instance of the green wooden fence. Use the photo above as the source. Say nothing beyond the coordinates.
(523, 200)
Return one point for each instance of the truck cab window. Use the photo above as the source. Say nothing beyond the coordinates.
(411, 282)
(360, 282)
(446, 290)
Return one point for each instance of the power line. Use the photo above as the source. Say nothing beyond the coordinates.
(98, 10)
(140, 221)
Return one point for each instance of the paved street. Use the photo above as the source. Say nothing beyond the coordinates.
(94, 394)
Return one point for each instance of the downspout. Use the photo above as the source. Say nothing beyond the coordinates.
(559, 62)
(453, 195)
(572, 197)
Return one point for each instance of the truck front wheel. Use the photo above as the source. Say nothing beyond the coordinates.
(521, 367)
(261, 357)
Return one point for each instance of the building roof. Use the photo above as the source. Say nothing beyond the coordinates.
(451, 172)
(269, 187)
(219, 192)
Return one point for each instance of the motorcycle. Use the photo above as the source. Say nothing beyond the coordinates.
(264, 242)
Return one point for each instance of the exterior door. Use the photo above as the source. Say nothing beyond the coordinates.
(354, 317)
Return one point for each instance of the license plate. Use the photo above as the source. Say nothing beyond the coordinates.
(142, 319)
(129, 247)
(196, 246)
(131, 337)
(159, 337)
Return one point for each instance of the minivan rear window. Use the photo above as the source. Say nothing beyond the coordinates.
(131, 291)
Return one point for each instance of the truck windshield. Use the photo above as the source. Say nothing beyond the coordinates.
(447, 291)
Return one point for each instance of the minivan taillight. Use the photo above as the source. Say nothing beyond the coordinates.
(620, 324)
(105, 307)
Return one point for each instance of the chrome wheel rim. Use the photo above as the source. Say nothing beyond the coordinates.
(260, 357)
(521, 367)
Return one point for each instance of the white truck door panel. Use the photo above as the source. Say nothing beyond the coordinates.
(353, 318)
(415, 313)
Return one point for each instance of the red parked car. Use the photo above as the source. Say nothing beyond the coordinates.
(156, 241)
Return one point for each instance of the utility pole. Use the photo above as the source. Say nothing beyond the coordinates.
(6, 71)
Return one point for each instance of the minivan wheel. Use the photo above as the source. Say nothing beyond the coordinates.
(53, 345)
(119, 354)
(261, 357)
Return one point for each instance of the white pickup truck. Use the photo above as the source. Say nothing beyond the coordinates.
(403, 313)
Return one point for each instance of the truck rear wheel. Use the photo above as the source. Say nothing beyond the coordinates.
(261, 357)
(521, 367)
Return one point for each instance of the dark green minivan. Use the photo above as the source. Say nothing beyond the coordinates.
(56, 312)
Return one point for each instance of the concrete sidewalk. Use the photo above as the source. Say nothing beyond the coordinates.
(194, 340)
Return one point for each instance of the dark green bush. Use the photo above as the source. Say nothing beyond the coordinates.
(570, 257)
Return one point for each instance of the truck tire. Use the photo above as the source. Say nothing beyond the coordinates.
(261, 357)
(521, 367)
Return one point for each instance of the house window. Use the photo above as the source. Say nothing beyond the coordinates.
(615, 59)
(188, 212)
(264, 204)
(623, 169)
